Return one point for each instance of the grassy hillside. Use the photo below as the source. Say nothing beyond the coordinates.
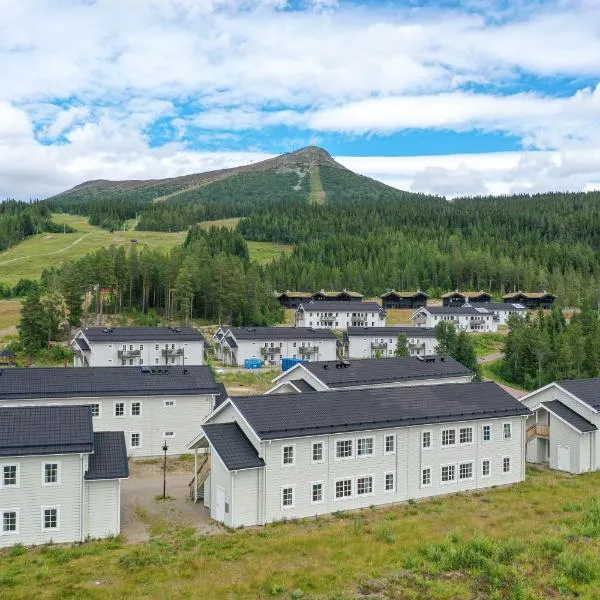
(536, 540)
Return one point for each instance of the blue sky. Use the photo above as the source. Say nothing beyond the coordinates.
(442, 96)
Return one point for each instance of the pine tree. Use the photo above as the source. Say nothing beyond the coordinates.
(32, 326)
(401, 345)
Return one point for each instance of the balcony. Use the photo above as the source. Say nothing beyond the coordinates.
(538, 430)
(275, 350)
(172, 352)
(417, 346)
(123, 354)
(308, 350)
(379, 345)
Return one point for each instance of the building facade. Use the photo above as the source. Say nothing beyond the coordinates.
(464, 318)
(151, 406)
(290, 299)
(340, 315)
(137, 346)
(381, 342)
(531, 300)
(457, 298)
(394, 299)
(266, 465)
(59, 480)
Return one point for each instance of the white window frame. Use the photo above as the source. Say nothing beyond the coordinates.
(135, 433)
(312, 453)
(489, 461)
(99, 405)
(467, 462)
(392, 490)
(352, 449)
(391, 436)
(423, 439)
(168, 437)
(430, 469)
(504, 437)
(350, 497)
(58, 473)
(483, 440)
(467, 428)
(43, 527)
(450, 481)
(283, 448)
(442, 438)
(124, 415)
(131, 408)
(312, 500)
(10, 510)
(509, 465)
(291, 486)
(372, 492)
(10, 486)
(365, 439)
(165, 405)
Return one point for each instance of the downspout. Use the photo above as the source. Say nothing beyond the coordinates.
(524, 443)
(81, 502)
(231, 502)
(196, 476)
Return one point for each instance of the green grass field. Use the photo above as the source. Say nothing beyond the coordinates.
(10, 313)
(536, 540)
(265, 252)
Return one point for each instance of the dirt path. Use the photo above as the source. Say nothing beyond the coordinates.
(6, 262)
(490, 358)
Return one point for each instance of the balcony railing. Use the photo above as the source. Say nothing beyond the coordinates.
(309, 350)
(274, 350)
(538, 430)
(128, 353)
(417, 346)
(379, 345)
(169, 352)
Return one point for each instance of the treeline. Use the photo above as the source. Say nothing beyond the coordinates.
(209, 277)
(545, 348)
(19, 220)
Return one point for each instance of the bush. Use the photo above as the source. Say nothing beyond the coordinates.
(578, 568)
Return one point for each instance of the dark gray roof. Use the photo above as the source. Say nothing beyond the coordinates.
(283, 333)
(36, 430)
(428, 332)
(61, 382)
(303, 386)
(230, 342)
(587, 390)
(285, 415)
(569, 415)
(384, 370)
(82, 343)
(5, 353)
(232, 446)
(222, 395)
(342, 306)
(504, 306)
(480, 309)
(143, 334)
(109, 460)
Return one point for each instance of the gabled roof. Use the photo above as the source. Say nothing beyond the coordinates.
(282, 333)
(232, 445)
(293, 294)
(42, 430)
(341, 306)
(333, 294)
(587, 390)
(142, 334)
(468, 294)
(466, 309)
(568, 415)
(222, 395)
(373, 371)
(109, 460)
(404, 294)
(424, 332)
(528, 295)
(505, 306)
(80, 340)
(90, 382)
(318, 413)
(302, 385)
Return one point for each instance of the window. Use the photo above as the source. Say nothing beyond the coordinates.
(287, 497)
(426, 477)
(136, 440)
(486, 433)
(465, 435)
(507, 429)
(131, 346)
(156, 361)
(136, 409)
(95, 410)
(316, 496)
(141, 361)
(50, 474)
(343, 449)
(123, 363)
(390, 444)
(124, 346)
(485, 467)
(141, 346)
(156, 346)
(317, 452)
(389, 482)
(448, 437)
(448, 473)
(506, 464)
(288, 455)
(364, 446)
(50, 518)
(131, 362)
(426, 439)
(10, 475)
(169, 403)
(119, 409)
(173, 361)
(364, 485)
(10, 522)
(343, 488)
(465, 470)
(172, 346)
(168, 434)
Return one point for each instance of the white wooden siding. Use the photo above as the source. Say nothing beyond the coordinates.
(103, 508)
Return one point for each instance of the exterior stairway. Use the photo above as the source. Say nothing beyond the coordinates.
(201, 475)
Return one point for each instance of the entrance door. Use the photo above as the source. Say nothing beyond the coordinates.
(220, 505)
(563, 458)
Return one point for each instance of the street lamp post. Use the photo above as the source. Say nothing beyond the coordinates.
(164, 449)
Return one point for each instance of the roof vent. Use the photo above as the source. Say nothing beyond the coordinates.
(326, 366)
(442, 358)
(177, 330)
(185, 371)
(145, 369)
(107, 330)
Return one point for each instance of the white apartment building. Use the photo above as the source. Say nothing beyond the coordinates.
(270, 458)
(340, 315)
(152, 406)
(504, 310)
(464, 318)
(59, 480)
(137, 346)
(272, 344)
(381, 342)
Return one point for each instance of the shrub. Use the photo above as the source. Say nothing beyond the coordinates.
(578, 568)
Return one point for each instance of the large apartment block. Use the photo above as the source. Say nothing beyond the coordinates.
(381, 342)
(340, 315)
